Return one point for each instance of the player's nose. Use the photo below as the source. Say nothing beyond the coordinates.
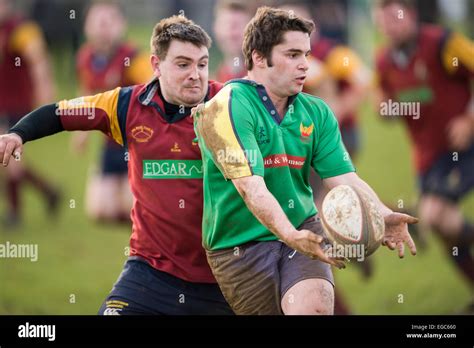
(304, 65)
(194, 74)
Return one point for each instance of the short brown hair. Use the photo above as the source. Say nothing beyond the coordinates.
(266, 30)
(176, 28)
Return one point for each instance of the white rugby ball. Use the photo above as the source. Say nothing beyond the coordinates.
(352, 221)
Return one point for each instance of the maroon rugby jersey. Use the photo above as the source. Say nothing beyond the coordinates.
(165, 174)
(430, 78)
(98, 74)
(16, 90)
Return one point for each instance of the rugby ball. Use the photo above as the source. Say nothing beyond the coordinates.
(352, 222)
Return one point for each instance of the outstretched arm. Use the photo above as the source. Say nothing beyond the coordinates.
(267, 210)
(396, 224)
(99, 112)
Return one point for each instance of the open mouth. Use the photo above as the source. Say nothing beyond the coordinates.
(301, 79)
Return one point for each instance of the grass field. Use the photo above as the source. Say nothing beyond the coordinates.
(79, 261)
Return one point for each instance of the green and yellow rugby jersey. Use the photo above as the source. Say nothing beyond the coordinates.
(241, 134)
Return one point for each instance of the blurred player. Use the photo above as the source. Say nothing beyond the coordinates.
(25, 81)
(167, 272)
(259, 139)
(104, 62)
(431, 68)
(230, 19)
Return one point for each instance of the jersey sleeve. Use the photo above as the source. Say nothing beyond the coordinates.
(26, 34)
(105, 112)
(139, 70)
(457, 54)
(330, 157)
(343, 63)
(225, 129)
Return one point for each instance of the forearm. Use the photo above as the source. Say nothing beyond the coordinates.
(265, 207)
(38, 124)
(382, 207)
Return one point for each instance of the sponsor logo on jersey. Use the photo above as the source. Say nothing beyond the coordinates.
(142, 134)
(262, 137)
(114, 307)
(283, 160)
(172, 169)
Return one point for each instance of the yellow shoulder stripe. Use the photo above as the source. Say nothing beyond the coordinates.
(88, 105)
(139, 70)
(342, 63)
(24, 35)
(214, 125)
(458, 50)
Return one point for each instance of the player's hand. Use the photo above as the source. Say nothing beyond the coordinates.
(396, 233)
(309, 243)
(11, 145)
(461, 132)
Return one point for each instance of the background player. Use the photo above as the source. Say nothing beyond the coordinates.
(433, 67)
(106, 61)
(26, 81)
(167, 272)
(230, 19)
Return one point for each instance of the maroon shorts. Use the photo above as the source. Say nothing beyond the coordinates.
(255, 276)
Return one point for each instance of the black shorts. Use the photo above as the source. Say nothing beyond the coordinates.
(450, 177)
(113, 160)
(255, 276)
(143, 290)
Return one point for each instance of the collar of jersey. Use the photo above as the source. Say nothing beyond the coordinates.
(265, 98)
(403, 56)
(147, 98)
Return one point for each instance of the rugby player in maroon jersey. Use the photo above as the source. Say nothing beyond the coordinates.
(167, 272)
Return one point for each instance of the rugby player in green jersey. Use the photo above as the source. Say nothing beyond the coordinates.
(260, 137)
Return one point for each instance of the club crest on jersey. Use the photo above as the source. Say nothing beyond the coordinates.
(142, 134)
(306, 131)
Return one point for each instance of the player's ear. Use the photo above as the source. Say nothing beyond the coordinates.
(155, 65)
(259, 59)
